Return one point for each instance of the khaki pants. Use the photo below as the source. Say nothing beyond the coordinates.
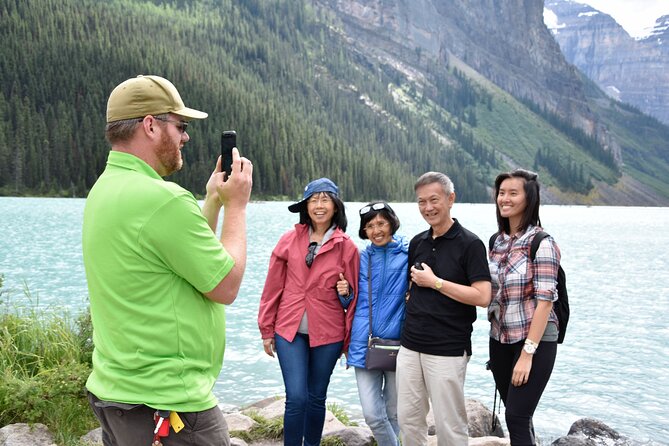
(421, 379)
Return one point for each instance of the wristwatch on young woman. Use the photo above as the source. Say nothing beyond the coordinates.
(530, 346)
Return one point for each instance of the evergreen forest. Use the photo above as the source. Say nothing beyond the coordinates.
(303, 102)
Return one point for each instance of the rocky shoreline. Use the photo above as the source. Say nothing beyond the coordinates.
(584, 432)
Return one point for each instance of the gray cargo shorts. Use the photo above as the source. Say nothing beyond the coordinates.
(133, 425)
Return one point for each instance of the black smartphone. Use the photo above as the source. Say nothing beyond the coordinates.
(228, 141)
(418, 265)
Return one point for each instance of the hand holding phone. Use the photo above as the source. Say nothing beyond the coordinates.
(228, 141)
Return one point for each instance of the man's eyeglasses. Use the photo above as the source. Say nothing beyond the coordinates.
(311, 253)
(375, 206)
(180, 125)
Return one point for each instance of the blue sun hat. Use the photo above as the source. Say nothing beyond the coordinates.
(316, 186)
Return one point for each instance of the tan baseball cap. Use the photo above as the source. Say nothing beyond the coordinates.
(147, 95)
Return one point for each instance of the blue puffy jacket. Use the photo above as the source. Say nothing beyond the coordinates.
(389, 286)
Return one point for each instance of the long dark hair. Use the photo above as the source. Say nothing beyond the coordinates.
(386, 213)
(338, 219)
(532, 199)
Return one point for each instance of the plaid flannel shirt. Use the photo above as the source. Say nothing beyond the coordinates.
(517, 285)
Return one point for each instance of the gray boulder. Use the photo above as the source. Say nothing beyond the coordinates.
(591, 432)
(262, 403)
(353, 436)
(593, 428)
(269, 408)
(94, 437)
(23, 434)
(234, 441)
(332, 423)
(489, 441)
(479, 421)
(571, 440)
(478, 441)
(239, 422)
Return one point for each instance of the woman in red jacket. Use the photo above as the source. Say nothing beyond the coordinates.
(302, 317)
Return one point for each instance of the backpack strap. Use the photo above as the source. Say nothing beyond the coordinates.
(491, 242)
(533, 247)
(535, 243)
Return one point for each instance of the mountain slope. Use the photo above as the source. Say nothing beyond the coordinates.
(629, 70)
(271, 70)
(507, 45)
(314, 90)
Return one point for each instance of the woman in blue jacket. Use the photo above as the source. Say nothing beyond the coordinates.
(388, 255)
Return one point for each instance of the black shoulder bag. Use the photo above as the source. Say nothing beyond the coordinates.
(381, 353)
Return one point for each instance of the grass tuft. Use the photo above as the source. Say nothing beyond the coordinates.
(264, 429)
(340, 414)
(332, 440)
(44, 363)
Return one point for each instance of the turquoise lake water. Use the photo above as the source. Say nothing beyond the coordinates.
(614, 365)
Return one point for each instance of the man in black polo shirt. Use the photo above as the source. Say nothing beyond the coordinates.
(451, 280)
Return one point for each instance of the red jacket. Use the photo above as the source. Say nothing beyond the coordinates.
(291, 288)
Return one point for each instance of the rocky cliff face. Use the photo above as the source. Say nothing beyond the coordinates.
(505, 41)
(633, 71)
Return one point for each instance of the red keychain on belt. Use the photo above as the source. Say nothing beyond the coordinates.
(162, 420)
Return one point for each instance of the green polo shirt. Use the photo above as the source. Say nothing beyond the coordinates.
(149, 256)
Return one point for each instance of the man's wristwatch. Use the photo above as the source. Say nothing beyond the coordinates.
(438, 284)
(530, 347)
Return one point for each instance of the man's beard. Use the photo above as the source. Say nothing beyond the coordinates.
(169, 155)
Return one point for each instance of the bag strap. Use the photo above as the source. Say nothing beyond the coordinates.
(491, 242)
(538, 237)
(369, 295)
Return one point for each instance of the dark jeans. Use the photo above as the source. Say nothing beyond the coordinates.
(521, 402)
(306, 375)
(132, 425)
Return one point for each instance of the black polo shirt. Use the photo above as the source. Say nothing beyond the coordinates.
(436, 324)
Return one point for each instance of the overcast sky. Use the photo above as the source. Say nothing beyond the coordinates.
(633, 15)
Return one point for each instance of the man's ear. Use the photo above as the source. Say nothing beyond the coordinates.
(147, 126)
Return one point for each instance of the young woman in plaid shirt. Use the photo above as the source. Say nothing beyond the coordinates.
(523, 325)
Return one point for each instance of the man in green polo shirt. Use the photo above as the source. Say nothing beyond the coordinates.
(157, 274)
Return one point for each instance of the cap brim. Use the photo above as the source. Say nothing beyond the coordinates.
(191, 113)
(297, 207)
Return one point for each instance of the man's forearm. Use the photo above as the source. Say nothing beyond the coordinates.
(477, 294)
(233, 238)
(211, 209)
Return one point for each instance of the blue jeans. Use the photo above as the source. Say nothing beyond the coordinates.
(378, 398)
(306, 375)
